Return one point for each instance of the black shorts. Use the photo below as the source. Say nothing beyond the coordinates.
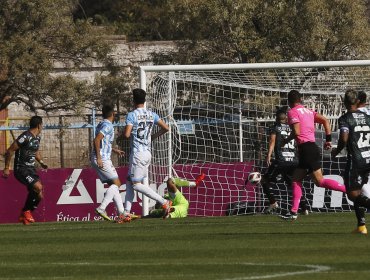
(355, 179)
(309, 157)
(27, 176)
(278, 171)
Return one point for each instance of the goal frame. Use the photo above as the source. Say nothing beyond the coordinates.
(241, 66)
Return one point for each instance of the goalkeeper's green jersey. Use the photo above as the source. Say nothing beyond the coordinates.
(180, 204)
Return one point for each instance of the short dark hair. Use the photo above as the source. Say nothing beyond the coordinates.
(35, 121)
(361, 96)
(350, 97)
(139, 96)
(107, 111)
(294, 97)
(280, 111)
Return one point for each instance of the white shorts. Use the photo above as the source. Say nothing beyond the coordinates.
(107, 173)
(138, 166)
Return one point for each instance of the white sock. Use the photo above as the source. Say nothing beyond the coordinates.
(149, 192)
(108, 196)
(117, 198)
(130, 194)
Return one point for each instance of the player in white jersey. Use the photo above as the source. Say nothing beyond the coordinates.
(362, 103)
(102, 163)
(139, 125)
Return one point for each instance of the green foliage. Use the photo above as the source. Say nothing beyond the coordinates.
(239, 31)
(137, 19)
(36, 36)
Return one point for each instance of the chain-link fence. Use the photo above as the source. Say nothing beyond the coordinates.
(66, 140)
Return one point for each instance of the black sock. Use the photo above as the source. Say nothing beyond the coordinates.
(363, 201)
(32, 201)
(267, 189)
(360, 214)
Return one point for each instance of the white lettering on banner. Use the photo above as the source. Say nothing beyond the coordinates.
(83, 198)
(336, 197)
(100, 188)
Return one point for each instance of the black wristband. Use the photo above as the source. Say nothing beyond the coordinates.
(328, 138)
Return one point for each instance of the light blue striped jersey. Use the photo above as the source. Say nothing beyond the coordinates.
(105, 127)
(142, 121)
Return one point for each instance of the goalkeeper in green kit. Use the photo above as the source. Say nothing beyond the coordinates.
(180, 204)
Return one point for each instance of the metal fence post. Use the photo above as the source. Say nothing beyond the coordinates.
(61, 142)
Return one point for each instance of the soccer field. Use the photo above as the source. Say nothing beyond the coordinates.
(318, 246)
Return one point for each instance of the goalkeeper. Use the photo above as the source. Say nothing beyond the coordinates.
(180, 205)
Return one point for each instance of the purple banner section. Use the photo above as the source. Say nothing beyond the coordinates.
(73, 194)
(224, 184)
(69, 195)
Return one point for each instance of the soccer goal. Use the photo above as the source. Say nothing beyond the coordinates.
(219, 117)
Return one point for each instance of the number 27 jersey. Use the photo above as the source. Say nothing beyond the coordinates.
(357, 125)
(142, 121)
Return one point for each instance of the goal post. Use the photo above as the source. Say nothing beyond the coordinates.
(219, 117)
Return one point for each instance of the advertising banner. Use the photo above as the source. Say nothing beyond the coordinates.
(73, 194)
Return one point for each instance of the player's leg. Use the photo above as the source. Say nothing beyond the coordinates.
(130, 194)
(139, 171)
(267, 187)
(353, 182)
(298, 176)
(305, 152)
(108, 174)
(320, 181)
(288, 178)
(29, 178)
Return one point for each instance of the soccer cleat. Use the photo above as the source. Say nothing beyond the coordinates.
(124, 218)
(361, 230)
(272, 208)
(23, 220)
(199, 179)
(102, 214)
(289, 216)
(134, 217)
(27, 216)
(167, 209)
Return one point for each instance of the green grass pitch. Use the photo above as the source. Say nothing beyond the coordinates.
(318, 246)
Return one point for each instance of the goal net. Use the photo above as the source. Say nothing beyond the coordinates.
(219, 117)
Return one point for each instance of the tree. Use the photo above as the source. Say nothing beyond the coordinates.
(37, 35)
(137, 19)
(239, 31)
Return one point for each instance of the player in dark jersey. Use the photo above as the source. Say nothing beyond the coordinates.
(285, 161)
(355, 135)
(26, 148)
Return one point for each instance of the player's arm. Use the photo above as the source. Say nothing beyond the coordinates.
(39, 159)
(119, 152)
(8, 156)
(128, 130)
(97, 141)
(163, 129)
(343, 136)
(342, 143)
(271, 148)
(325, 122)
